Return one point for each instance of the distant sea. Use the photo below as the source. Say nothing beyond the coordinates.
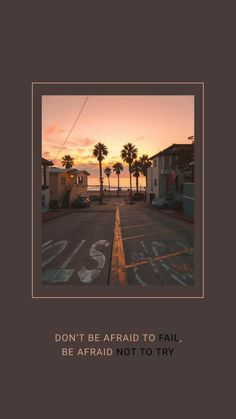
(93, 182)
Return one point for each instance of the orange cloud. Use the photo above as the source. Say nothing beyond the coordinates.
(53, 129)
(82, 142)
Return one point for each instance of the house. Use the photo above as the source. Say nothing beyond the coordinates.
(172, 168)
(66, 185)
(45, 196)
(152, 190)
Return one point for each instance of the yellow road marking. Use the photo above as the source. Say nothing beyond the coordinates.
(156, 259)
(118, 272)
(147, 234)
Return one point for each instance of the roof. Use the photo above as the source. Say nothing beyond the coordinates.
(57, 170)
(173, 149)
(46, 162)
(77, 171)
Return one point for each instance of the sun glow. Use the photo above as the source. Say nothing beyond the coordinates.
(151, 123)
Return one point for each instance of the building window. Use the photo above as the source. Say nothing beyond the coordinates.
(155, 162)
(155, 182)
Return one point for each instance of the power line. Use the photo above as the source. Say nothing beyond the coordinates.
(80, 112)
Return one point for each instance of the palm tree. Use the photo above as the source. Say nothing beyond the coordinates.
(128, 154)
(67, 161)
(118, 168)
(145, 163)
(136, 170)
(100, 151)
(107, 172)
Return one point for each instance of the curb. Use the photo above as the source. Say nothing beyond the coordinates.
(57, 216)
(179, 216)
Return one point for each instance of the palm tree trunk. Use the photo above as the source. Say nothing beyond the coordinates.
(137, 184)
(109, 185)
(130, 183)
(118, 191)
(145, 193)
(101, 185)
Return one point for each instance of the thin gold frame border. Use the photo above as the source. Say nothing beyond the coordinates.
(201, 297)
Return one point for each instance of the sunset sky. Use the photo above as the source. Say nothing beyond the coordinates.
(152, 123)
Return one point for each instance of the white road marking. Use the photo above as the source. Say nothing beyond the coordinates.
(152, 264)
(61, 244)
(127, 220)
(135, 258)
(139, 225)
(165, 266)
(177, 279)
(47, 248)
(67, 261)
(155, 246)
(45, 244)
(57, 275)
(88, 275)
(181, 245)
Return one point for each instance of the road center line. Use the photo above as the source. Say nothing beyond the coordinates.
(158, 258)
(118, 272)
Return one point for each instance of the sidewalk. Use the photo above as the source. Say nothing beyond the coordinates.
(51, 215)
(176, 214)
(95, 206)
(169, 212)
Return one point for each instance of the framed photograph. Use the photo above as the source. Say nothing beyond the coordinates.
(118, 190)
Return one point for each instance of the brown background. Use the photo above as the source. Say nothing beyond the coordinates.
(181, 41)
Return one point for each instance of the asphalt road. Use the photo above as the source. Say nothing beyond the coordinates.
(158, 248)
(139, 244)
(77, 247)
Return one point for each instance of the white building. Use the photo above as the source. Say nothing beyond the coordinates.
(66, 185)
(152, 180)
(45, 196)
(160, 178)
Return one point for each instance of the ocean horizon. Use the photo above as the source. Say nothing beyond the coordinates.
(124, 182)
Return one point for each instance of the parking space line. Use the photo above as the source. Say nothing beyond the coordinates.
(158, 258)
(147, 234)
(139, 225)
(126, 219)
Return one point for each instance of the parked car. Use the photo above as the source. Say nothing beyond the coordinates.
(81, 202)
(164, 201)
